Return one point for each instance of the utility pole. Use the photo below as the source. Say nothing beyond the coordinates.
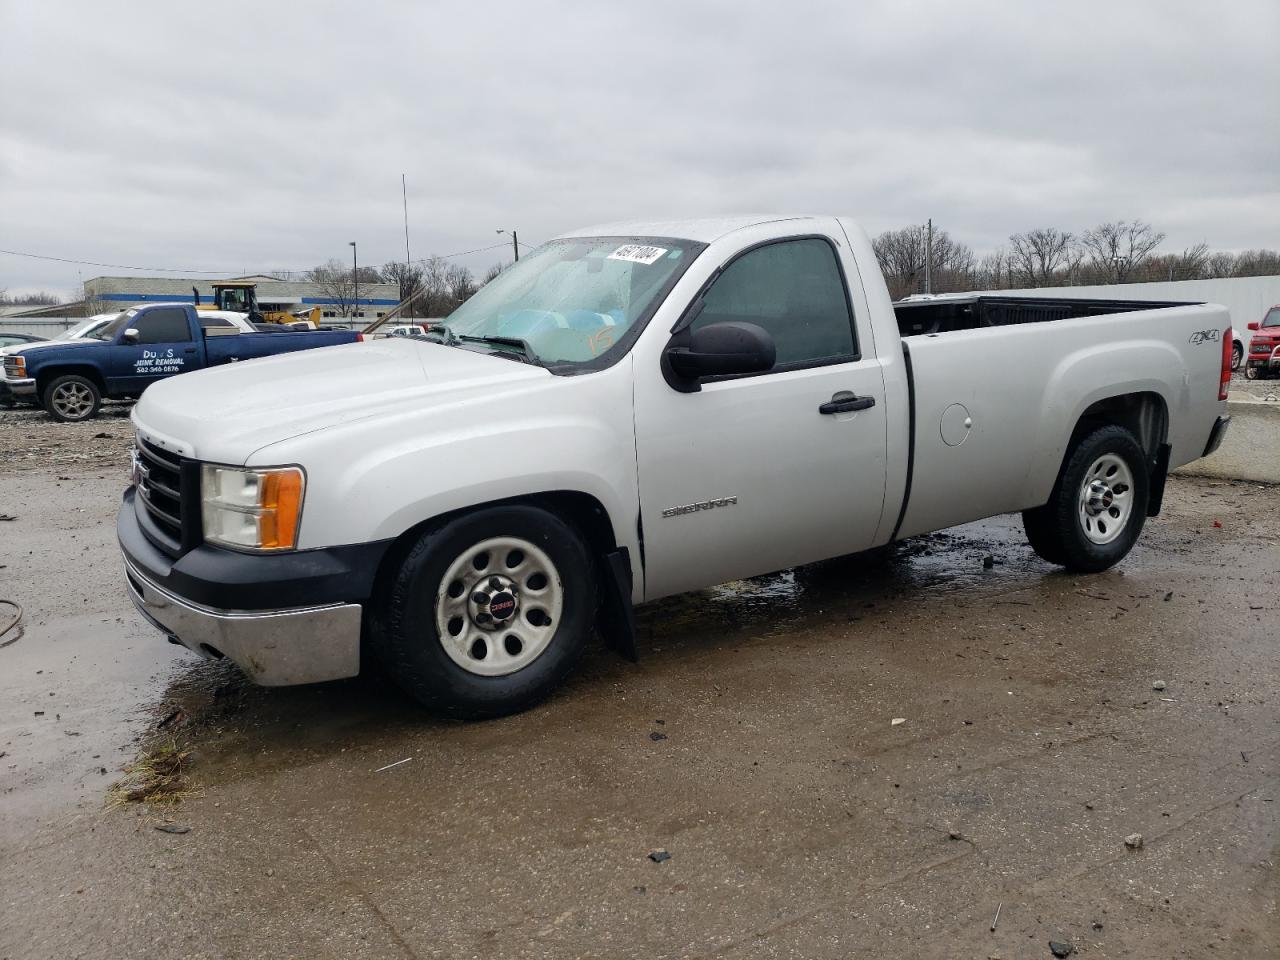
(404, 191)
(515, 244)
(355, 280)
(928, 258)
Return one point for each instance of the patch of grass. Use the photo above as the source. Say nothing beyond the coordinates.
(157, 776)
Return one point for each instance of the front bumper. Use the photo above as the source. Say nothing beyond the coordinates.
(23, 387)
(282, 618)
(273, 647)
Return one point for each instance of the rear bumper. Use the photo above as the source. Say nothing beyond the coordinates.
(273, 647)
(1216, 435)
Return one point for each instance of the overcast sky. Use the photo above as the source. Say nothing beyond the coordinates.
(239, 137)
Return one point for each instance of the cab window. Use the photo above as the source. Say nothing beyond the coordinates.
(165, 325)
(794, 289)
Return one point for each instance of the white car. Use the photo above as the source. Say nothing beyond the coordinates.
(629, 412)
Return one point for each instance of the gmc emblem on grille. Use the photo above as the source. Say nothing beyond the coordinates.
(698, 507)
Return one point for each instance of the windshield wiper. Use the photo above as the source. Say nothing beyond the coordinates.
(526, 352)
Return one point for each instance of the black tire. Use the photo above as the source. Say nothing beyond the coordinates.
(1057, 531)
(72, 399)
(1237, 355)
(405, 636)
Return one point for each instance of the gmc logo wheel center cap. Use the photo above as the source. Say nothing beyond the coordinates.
(502, 606)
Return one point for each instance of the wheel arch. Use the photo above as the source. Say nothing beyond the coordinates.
(88, 371)
(581, 510)
(1145, 414)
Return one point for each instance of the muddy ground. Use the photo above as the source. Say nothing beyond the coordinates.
(754, 742)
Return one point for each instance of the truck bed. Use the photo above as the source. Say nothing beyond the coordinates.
(952, 314)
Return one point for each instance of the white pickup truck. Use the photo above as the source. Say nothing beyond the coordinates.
(630, 412)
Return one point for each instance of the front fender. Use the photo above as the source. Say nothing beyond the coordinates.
(376, 478)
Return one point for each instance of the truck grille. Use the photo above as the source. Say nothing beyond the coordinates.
(160, 495)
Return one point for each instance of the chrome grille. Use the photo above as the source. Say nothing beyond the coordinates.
(160, 493)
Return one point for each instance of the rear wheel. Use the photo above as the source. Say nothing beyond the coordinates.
(488, 613)
(1098, 505)
(72, 399)
(1237, 354)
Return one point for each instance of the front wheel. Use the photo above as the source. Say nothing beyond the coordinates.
(72, 399)
(1098, 505)
(487, 613)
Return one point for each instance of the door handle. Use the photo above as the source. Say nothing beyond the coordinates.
(845, 402)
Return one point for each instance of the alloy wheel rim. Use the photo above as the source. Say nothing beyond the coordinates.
(498, 606)
(1106, 499)
(72, 400)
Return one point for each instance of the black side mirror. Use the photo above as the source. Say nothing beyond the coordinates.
(718, 350)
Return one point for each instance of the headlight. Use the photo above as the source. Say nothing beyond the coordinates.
(251, 509)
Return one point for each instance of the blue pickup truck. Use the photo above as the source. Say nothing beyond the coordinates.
(137, 348)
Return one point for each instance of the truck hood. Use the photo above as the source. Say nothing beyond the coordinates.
(226, 413)
(26, 348)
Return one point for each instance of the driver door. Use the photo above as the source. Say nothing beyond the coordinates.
(752, 474)
(164, 347)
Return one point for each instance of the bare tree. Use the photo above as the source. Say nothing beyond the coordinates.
(408, 279)
(901, 254)
(1220, 264)
(461, 283)
(1039, 255)
(1256, 263)
(492, 273)
(339, 283)
(1119, 250)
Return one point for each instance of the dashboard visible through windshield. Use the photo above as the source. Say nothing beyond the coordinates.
(575, 302)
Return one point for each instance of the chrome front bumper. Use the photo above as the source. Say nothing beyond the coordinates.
(23, 387)
(273, 647)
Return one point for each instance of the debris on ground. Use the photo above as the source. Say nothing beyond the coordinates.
(897, 720)
(955, 835)
(1158, 685)
(988, 562)
(5, 516)
(996, 918)
(657, 856)
(656, 736)
(159, 775)
(1060, 949)
(396, 764)
(1133, 841)
(173, 828)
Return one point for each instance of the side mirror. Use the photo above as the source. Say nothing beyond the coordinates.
(718, 350)
(129, 336)
(1254, 326)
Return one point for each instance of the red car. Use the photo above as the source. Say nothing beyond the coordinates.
(1264, 348)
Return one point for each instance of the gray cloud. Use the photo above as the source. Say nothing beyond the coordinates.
(259, 136)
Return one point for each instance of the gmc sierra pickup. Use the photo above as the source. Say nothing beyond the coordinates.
(630, 412)
(141, 346)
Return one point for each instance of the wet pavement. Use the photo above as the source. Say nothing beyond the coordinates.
(754, 742)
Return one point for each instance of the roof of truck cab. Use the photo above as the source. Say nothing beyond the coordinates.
(703, 230)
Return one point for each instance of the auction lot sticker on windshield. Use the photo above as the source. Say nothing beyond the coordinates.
(638, 253)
